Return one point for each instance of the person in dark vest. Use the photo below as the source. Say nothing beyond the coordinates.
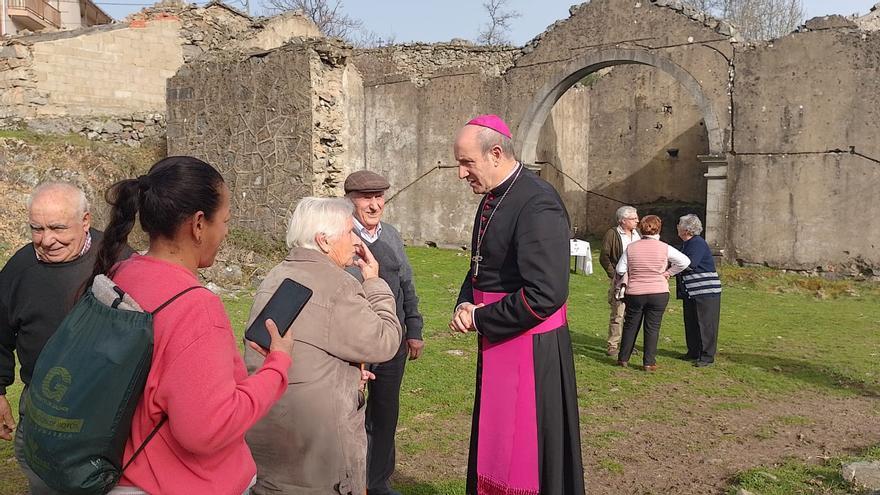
(366, 190)
(525, 435)
(38, 287)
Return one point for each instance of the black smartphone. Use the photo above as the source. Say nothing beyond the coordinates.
(283, 308)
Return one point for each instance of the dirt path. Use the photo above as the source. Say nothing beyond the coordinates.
(698, 447)
(685, 447)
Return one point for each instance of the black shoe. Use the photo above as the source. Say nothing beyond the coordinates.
(688, 357)
(702, 364)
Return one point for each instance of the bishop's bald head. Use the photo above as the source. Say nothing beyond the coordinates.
(484, 152)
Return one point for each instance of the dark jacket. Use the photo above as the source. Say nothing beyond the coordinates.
(394, 268)
(34, 298)
(612, 250)
(700, 279)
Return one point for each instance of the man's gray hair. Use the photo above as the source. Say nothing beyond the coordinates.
(314, 216)
(489, 138)
(625, 211)
(75, 193)
(691, 224)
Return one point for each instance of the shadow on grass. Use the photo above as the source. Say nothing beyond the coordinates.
(588, 346)
(595, 348)
(810, 373)
(409, 486)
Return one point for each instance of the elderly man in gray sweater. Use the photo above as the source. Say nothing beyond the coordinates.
(367, 191)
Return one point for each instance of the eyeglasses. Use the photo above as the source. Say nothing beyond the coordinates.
(631, 218)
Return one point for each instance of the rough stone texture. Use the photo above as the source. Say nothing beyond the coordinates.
(870, 21)
(783, 132)
(637, 142)
(798, 212)
(272, 32)
(412, 115)
(121, 69)
(829, 22)
(794, 200)
(130, 130)
(337, 106)
(864, 475)
(420, 62)
(272, 123)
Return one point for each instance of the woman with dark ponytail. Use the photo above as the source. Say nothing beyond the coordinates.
(197, 379)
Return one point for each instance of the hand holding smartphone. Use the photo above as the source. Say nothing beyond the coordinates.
(283, 307)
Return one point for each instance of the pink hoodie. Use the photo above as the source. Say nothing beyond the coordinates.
(198, 379)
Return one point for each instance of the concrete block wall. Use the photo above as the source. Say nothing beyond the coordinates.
(121, 69)
(133, 65)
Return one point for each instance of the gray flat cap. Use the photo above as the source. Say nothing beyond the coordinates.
(365, 181)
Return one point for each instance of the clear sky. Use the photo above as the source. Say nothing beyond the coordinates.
(442, 20)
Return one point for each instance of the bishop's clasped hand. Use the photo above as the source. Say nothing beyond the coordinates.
(463, 317)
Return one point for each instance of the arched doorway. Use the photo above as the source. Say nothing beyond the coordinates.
(529, 130)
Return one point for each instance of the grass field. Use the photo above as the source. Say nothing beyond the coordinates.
(794, 390)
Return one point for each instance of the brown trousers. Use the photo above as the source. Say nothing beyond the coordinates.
(615, 322)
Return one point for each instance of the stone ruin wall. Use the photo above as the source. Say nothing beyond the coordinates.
(337, 104)
(108, 82)
(414, 109)
(871, 21)
(790, 199)
(279, 125)
(806, 160)
(631, 136)
(794, 126)
(415, 99)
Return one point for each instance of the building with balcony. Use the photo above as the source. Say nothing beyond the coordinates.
(39, 15)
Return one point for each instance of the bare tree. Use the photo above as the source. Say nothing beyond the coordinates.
(495, 31)
(756, 19)
(711, 6)
(331, 20)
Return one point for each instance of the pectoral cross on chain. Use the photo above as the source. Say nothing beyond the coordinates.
(476, 259)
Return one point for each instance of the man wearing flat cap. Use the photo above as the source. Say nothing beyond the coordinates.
(367, 191)
(525, 434)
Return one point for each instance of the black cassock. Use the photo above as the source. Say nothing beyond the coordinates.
(525, 371)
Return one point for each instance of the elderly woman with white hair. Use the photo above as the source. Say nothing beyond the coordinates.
(699, 288)
(313, 440)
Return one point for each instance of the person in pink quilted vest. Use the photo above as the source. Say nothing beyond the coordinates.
(648, 263)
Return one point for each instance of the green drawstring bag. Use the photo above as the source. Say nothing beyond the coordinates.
(86, 384)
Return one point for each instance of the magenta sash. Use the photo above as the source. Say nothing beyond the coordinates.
(507, 447)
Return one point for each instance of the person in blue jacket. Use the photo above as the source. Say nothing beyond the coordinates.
(699, 288)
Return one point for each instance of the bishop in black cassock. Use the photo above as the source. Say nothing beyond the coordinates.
(525, 438)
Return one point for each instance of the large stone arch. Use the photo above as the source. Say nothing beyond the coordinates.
(529, 129)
